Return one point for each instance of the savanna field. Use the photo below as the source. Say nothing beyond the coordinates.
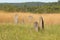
(11, 31)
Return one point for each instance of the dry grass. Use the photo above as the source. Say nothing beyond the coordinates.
(6, 17)
(26, 32)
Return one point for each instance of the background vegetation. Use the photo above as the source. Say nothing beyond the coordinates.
(35, 7)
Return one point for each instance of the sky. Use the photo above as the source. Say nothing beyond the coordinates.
(19, 1)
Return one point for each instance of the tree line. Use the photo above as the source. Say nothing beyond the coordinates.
(47, 8)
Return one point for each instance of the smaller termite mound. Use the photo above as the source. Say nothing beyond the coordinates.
(16, 19)
(36, 26)
(23, 21)
(30, 18)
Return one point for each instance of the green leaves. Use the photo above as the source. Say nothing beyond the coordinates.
(46, 8)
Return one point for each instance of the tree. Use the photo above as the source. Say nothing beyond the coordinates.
(59, 1)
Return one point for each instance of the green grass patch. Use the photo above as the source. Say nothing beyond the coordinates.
(27, 32)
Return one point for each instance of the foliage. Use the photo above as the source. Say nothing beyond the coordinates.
(53, 7)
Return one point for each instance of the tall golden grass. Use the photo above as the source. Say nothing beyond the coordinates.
(6, 17)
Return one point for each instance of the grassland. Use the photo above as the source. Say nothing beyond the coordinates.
(6, 17)
(27, 32)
